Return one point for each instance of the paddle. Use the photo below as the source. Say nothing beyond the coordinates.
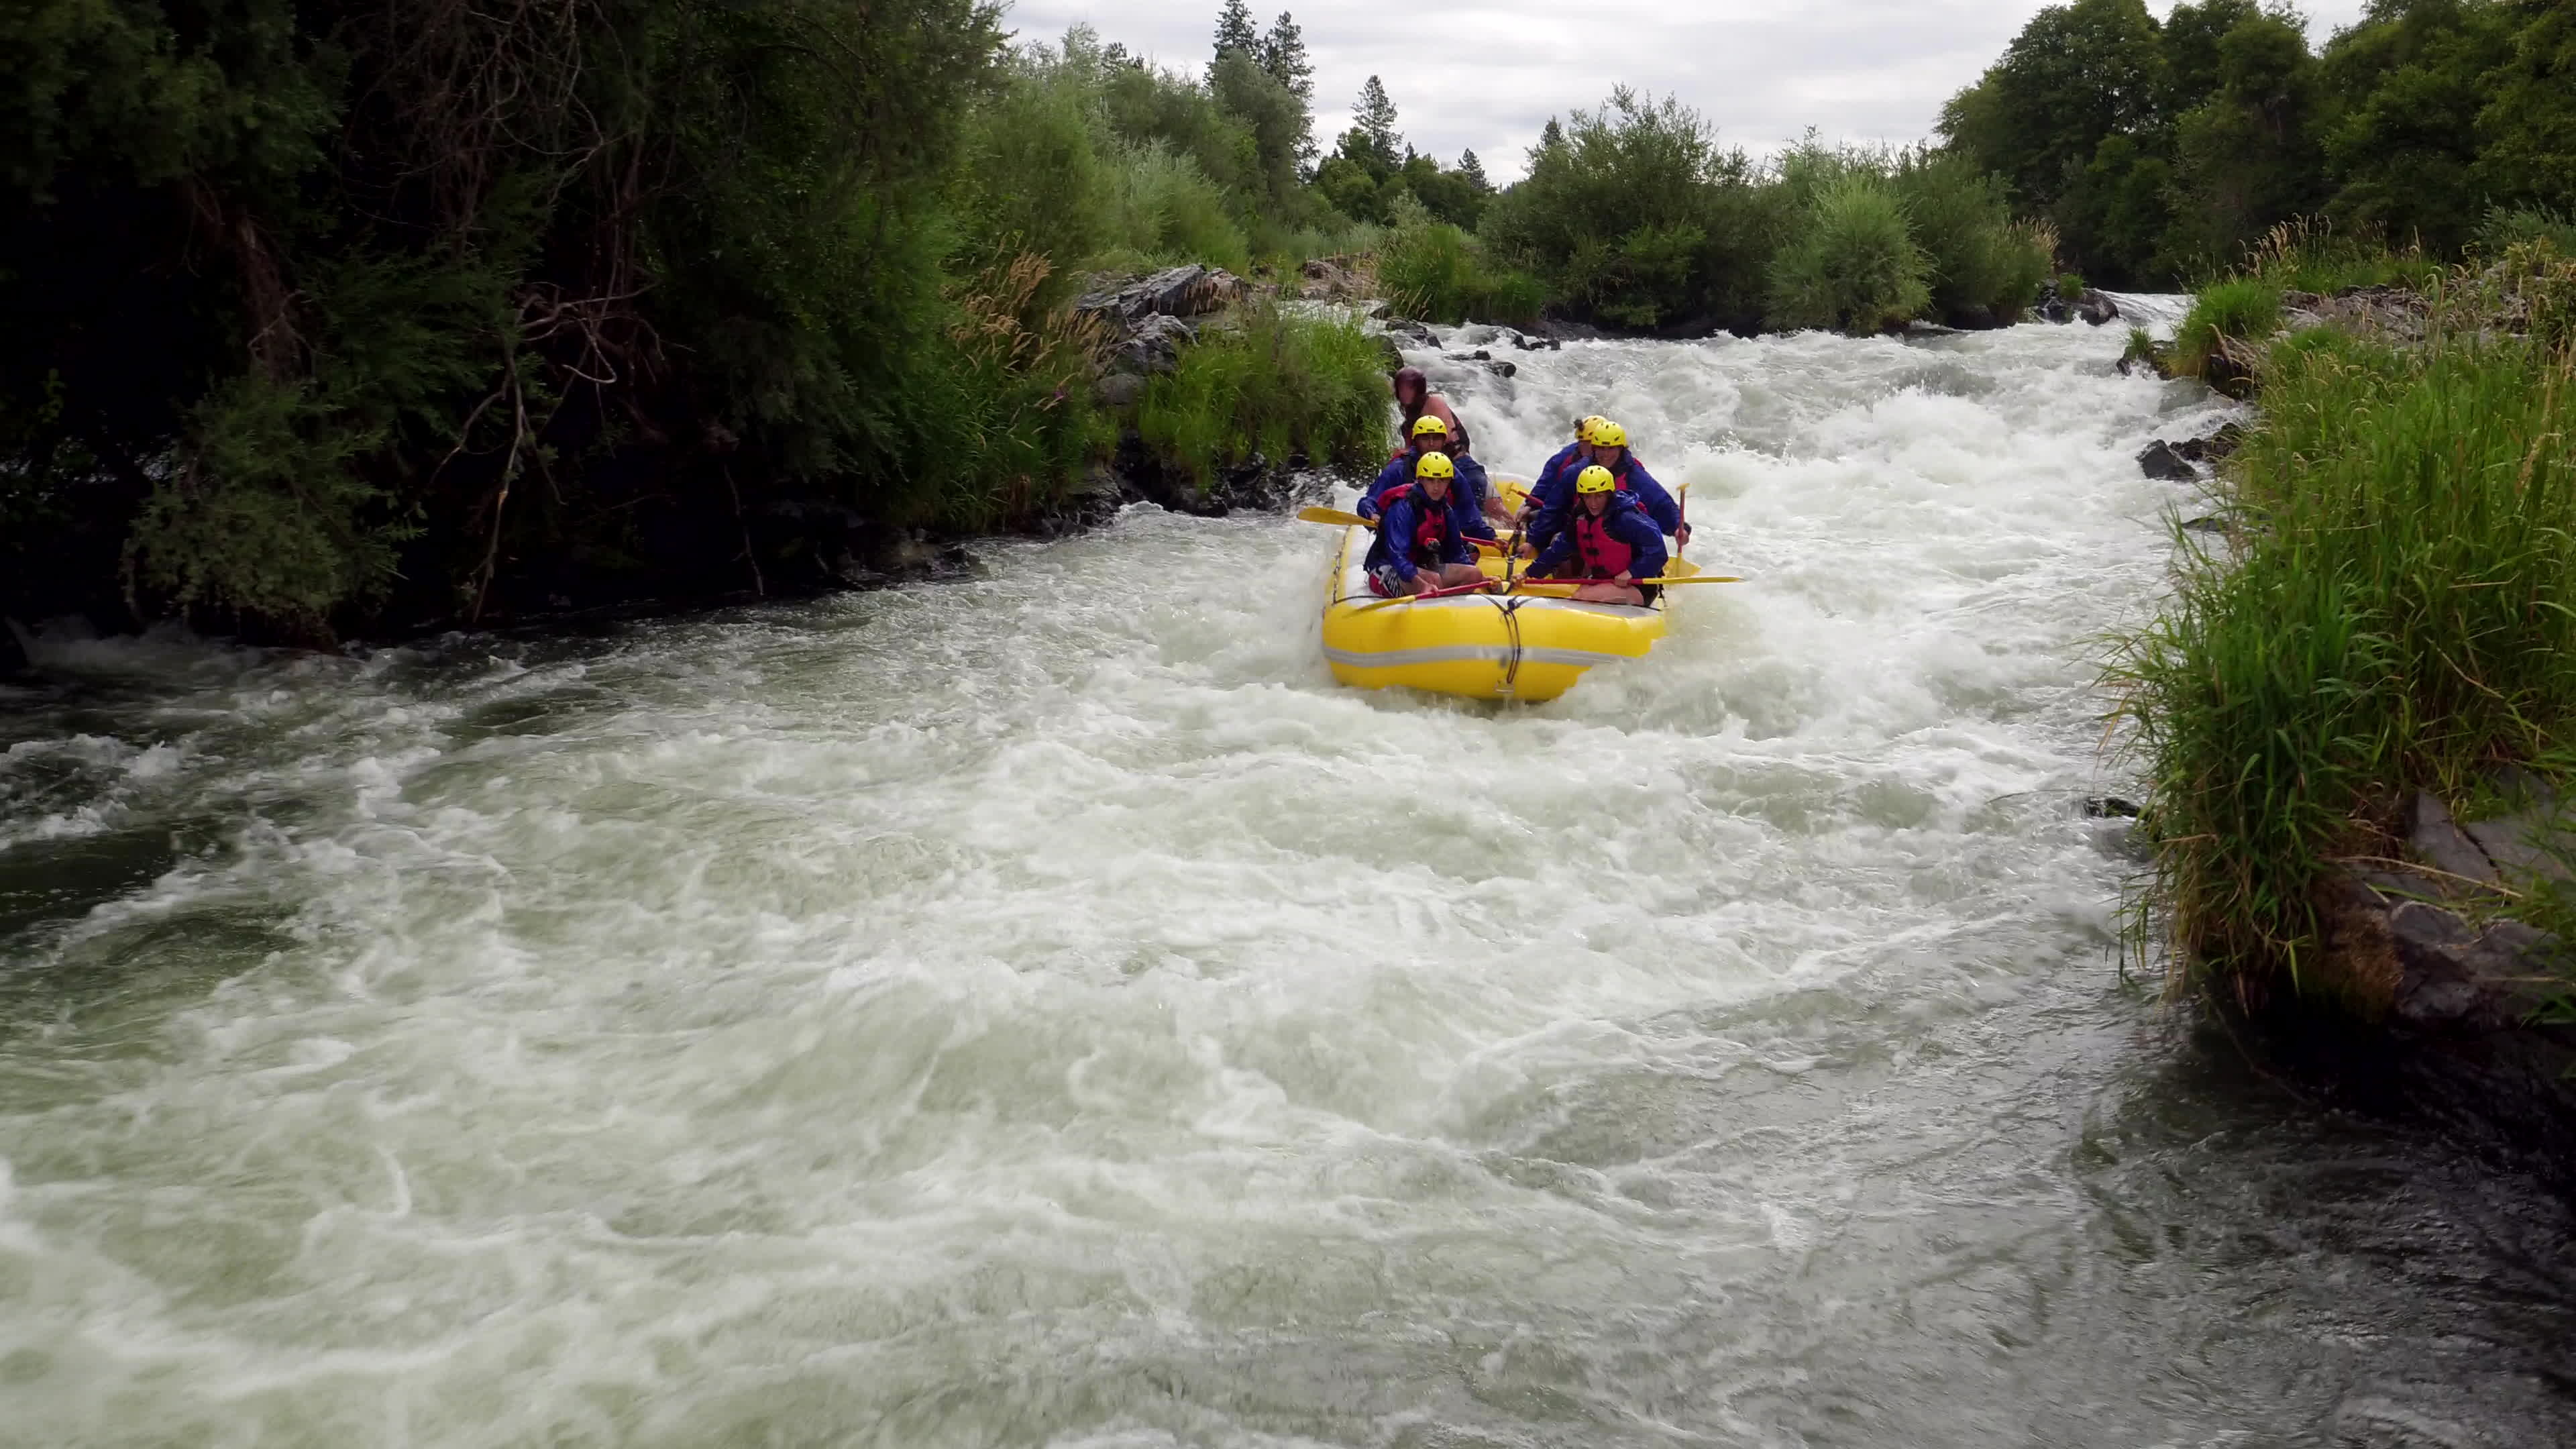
(1338, 519)
(1477, 587)
(1659, 583)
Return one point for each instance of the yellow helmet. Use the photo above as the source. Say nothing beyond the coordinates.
(1429, 426)
(1595, 479)
(1434, 465)
(1607, 434)
(1583, 430)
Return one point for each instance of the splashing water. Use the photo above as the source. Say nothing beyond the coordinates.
(1048, 1010)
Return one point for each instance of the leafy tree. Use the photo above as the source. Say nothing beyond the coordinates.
(2530, 126)
(2076, 74)
(2245, 158)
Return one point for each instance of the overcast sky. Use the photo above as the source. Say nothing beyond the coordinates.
(1763, 70)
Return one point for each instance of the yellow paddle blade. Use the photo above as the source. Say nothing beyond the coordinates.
(1333, 516)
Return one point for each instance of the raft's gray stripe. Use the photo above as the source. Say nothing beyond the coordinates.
(1460, 653)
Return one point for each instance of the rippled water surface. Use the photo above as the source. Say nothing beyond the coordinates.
(1049, 1010)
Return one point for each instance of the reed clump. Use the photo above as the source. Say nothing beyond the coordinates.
(1283, 385)
(2396, 611)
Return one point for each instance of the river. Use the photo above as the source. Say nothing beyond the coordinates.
(1046, 1010)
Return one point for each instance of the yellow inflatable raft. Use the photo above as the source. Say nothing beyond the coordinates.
(1523, 646)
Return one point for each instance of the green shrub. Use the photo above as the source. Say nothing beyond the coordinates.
(2070, 286)
(2247, 309)
(1435, 271)
(1980, 261)
(1852, 263)
(2405, 615)
(1632, 214)
(1161, 210)
(1283, 386)
(2506, 228)
(269, 516)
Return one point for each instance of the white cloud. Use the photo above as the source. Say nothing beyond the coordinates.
(1486, 75)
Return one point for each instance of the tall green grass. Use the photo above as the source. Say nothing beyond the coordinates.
(1284, 386)
(2246, 310)
(2401, 611)
(2309, 255)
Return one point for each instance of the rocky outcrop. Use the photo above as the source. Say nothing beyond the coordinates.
(1144, 321)
(2465, 1023)
(2388, 314)
(1487, 361)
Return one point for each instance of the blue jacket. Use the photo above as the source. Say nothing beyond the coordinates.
(1628, 524)
(1566, 457)
(1404, 519)
(1467, 494)
(1634, 481)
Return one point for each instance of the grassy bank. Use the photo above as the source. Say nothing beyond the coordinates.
(2394, 608)
(1281, 386)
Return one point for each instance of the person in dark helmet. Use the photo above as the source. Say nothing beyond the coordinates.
(1414, 400)
(1608, 543)
(1418, 546)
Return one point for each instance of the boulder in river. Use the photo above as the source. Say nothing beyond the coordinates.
(2161, 461)
(2211, 449)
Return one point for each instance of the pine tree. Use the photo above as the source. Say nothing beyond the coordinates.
(1283, 54)
(1474, 171)
(1234, 30)
(1376, 116)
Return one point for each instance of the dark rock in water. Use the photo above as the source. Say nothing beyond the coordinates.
(2161, 461)
(2211, 449)
(1528, 343)
(2095, 308)
(1405, 329)
(2206, 523)
(2110, 807)
(1259, 483)
(1392, 351)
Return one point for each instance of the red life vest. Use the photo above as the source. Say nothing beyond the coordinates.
(1603, 557)
(1430, 525)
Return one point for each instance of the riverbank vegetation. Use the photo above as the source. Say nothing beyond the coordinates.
(2393, 607)
(2162, 152)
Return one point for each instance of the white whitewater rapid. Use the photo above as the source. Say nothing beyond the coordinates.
(1046, 1010)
